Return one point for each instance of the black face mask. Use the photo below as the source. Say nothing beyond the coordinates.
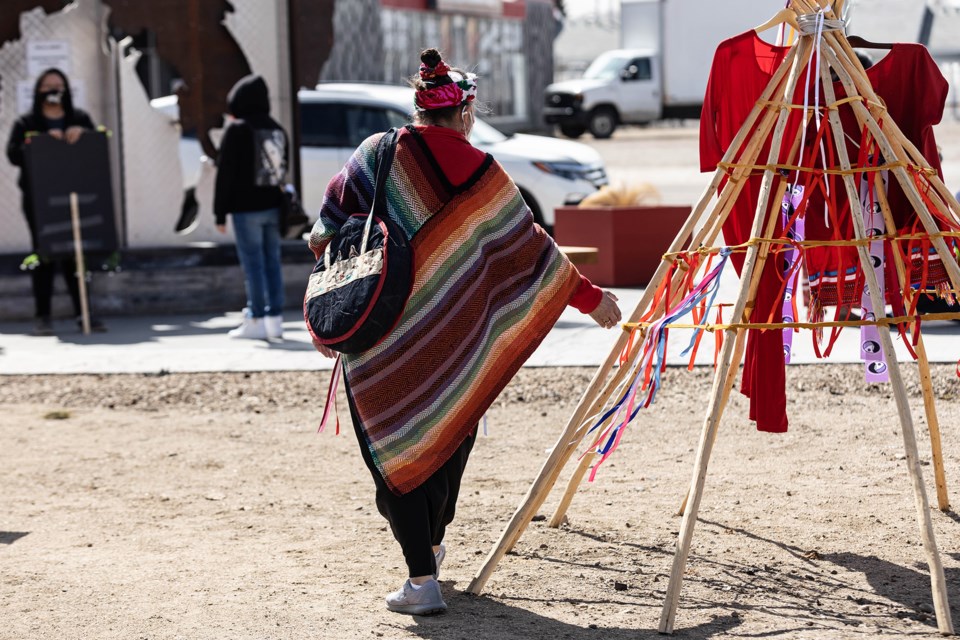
(54, 96)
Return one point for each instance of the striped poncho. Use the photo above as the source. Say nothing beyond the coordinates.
(488, 286)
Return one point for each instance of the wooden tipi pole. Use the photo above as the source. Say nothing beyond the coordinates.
(707, 236)
(933, 425)
(748, 311)
(741, 344)
(588, 404)
(889, 151)
(923, 364)
(728, 200)
(937, 579)
(711, 422)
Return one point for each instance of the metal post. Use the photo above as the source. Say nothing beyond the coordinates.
(293, 42)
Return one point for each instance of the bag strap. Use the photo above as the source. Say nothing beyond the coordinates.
(385, 152)
(386, 149)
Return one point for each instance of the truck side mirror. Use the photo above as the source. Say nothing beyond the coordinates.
(630, 73)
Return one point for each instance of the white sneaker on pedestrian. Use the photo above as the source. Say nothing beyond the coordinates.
(274, 327)
(251, 329)
(419, 602)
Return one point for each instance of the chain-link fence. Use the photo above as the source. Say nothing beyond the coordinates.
(77, 30)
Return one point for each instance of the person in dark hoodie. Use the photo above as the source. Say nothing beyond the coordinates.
(251, 172)
(53, 113)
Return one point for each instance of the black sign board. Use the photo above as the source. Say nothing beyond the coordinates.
(55, 169)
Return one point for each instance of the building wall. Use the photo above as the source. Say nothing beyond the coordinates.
(77, 25)
(507, 42)
(511, 49)
(539, 32)
(357, 53)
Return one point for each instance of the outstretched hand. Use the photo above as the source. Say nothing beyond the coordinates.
(607, 313)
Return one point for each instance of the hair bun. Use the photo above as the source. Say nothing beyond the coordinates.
(432, 67)
(430, 57)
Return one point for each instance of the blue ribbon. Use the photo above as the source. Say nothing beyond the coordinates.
(708, 287)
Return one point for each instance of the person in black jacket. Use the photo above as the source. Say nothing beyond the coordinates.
(251, 172)
(53, 113)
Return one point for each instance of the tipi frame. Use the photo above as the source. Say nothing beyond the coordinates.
(769, 115)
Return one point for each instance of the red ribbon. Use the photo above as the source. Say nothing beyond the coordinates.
(331, 402)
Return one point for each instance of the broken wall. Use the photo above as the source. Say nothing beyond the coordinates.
(72, 39)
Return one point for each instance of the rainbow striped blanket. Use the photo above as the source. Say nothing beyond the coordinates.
(489, 284)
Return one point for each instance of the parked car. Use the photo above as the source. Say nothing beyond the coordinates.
(335, 118)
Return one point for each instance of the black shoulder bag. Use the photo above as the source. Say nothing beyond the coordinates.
(359, 287)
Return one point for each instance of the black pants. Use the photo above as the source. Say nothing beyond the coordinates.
(43, 277)
(420, 517)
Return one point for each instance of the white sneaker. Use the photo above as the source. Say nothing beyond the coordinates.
(250, 328)
(274, 327)
(419, 602)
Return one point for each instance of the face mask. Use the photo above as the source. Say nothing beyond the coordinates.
(52, 97)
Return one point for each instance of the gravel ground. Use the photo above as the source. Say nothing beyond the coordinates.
(258, 392)
(206, 506)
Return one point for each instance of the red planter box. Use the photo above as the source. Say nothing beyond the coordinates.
(631, 240)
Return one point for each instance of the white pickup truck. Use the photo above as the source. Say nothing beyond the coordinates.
(661, 71)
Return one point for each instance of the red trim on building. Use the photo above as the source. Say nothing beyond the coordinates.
(511, 8)
(416, 5)
(514, 8)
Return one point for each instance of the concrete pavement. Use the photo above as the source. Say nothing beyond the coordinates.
(194, 343)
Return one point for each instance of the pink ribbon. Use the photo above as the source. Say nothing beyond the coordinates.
(330, 406)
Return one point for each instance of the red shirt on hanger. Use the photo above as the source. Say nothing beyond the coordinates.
(914, 91)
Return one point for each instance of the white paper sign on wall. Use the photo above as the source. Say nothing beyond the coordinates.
(44, 54)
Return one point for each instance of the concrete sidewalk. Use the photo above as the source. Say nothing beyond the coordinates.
(193, 343)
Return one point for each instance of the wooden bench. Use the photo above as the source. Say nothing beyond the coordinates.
(581, 255)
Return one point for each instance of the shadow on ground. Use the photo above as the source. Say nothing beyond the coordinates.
(9, 537)
(495, 620)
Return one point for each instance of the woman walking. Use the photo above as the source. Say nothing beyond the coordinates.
(488, 286)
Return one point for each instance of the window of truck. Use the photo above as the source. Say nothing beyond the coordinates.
(638, 69)
(606, 67)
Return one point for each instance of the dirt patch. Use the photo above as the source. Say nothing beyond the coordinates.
(206, 506)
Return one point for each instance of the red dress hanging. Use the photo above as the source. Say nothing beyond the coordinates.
(742, 68)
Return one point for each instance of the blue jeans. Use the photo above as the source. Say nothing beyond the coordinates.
(258, 246)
